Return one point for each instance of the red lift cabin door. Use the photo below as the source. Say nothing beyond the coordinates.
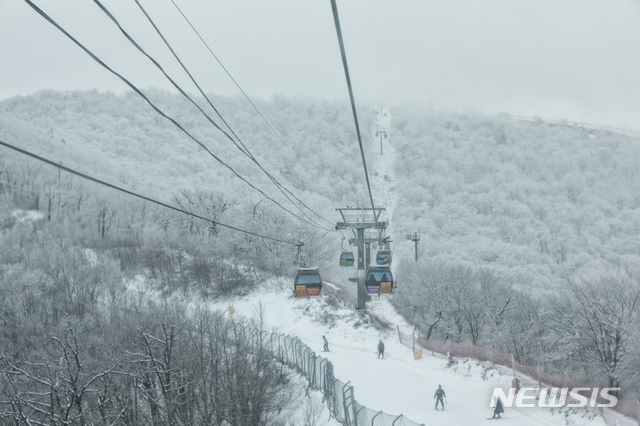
(308, 283)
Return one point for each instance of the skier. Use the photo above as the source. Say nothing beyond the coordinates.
(438, 397)
(499, 409)
(381, 349)
(326, 344)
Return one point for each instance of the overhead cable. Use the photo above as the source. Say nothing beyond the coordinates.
(126, 191)
(233, 79)
(245, 95)
(336, 20)
(242, 149)
(321, 236)
(155, 108)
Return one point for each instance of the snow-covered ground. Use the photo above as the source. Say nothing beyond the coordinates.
(382, 181)
(398, 384)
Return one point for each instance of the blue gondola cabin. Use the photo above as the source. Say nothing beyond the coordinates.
(346, 258)
(383, 257)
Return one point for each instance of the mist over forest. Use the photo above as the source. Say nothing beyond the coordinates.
(529, 231)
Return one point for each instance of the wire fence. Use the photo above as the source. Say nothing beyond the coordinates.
(338, 395)
(528, 375)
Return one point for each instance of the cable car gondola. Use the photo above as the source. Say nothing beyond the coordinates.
(346, 258)
(383, 257)
(379, 280)
(308, 283)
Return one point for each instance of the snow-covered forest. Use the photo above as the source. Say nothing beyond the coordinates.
(530, 238)
(530, 241)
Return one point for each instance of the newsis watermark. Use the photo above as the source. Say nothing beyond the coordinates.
(528, 397)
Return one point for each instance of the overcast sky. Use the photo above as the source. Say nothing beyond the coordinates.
(575, 59)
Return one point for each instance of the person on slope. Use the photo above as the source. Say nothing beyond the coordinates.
(438, 397)
(381, 349)
(499, 409)
(326, 344)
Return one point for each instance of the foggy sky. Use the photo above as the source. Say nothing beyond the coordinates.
(577, 60)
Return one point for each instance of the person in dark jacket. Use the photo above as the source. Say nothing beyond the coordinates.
(499, 409)
(326, 344)
(438, 396)
(381, 349)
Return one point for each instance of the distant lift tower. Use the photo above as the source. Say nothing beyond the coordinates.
(372, 236)
(381, 133)
(415, 238)
(360, 219)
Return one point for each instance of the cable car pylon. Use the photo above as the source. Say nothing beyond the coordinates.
(299, 245)
(415, 238)
(360, 223)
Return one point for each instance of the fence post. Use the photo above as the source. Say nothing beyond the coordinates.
(357, 413)
(493, 356)
(374, 417)
(312, 369)
(599, 400)
(333, 396)
(638, 411)
(399, 335)
(414, 340)
(539, 375)
(345, 406)
(398, 418)
(322, 374)
(513, 366)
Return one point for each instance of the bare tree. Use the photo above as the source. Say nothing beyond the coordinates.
(209, 204)
(600, 317)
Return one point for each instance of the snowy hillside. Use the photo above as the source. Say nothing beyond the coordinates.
(398, 384)
(521, 223)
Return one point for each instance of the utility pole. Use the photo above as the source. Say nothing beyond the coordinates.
(299, 245)
(415, 238)
(365, 218)
(367, 253)
(381, 133)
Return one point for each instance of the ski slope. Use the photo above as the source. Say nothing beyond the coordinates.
(398, 384)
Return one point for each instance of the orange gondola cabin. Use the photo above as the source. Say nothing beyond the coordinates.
(308, 283)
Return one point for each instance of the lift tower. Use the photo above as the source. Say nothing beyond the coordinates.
(415, 238)
(360, 219)
(370, 238)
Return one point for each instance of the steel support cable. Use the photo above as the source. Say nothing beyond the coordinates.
(126, 191)
(321, 236)
(336, 20)
(155, 108)
(244, 148)
(141, 50)
(233, 79)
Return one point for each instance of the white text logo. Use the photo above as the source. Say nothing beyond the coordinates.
(555, 397)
